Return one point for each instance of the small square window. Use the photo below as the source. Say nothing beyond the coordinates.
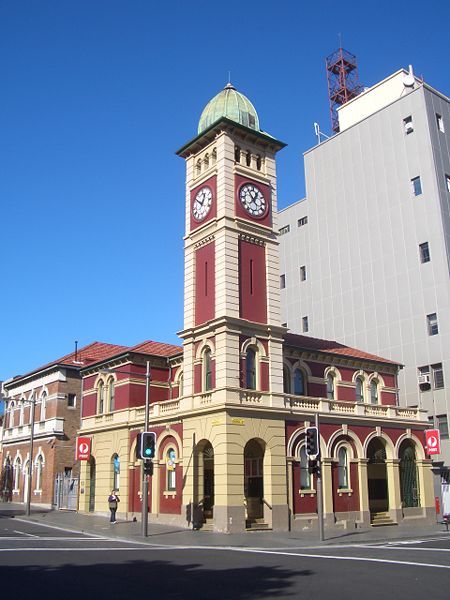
(71, 400)
(440, 123)
(424, 252)
(302, 221)
(305, 325)
(416, 186)
(447, 182)
(282, 281)
(408, 125)
(303, 273)
(432, 323)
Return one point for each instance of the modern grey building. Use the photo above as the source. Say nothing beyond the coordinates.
(365, 257)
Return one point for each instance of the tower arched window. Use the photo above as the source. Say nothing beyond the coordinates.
(111, 394)
(343, 468)
(259, 162)
(374, 391)
(299, 383)
(330, 386)
(286, 380)
(359, 390)
(248, 158)
(207, 370)
(237, 154)
(206, 161)
(100, 397)
(250, 371)
(214, 156)
(198, 167)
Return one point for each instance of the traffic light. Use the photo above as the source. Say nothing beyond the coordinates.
(312, 442)
(145, 445)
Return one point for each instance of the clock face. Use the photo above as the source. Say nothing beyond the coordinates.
(202, 203)
(252, 199)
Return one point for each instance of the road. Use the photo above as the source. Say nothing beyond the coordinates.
(42, 562)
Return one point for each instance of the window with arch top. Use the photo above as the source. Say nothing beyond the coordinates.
(330, 386)
(250, 369)
(111, 394)
(374, 391)
(286, 380)
(343, 481)
(101, 397)
(305, 477)
(359, 390)
(43, 406)
(207, 370)
(299, 383)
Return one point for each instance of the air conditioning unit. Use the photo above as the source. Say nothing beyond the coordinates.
(409, 127)
(424, 380)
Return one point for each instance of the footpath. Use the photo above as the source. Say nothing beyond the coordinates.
(164, 535)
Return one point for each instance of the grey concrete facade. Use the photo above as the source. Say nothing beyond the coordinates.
(355, 268)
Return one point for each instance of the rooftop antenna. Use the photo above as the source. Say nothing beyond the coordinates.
(229, 76)
(319, 133)
(343, 84)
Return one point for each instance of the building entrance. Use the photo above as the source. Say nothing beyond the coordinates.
(377, 477)
(254, 480)
(91, 484)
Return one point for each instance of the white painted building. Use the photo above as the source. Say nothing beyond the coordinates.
(365, 258)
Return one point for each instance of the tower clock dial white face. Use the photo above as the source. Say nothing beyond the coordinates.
(202, 203)
(252, 199)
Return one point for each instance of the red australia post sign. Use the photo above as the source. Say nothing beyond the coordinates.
(83, 449)
(433, 441)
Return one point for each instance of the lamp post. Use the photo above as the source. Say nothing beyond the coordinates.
(30, 462)
(148, 378)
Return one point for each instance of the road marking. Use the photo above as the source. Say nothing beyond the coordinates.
(57, 527)
(54, 539)
(24, 533)
(407, 549)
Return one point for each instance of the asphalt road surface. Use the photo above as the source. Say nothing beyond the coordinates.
(43, 562)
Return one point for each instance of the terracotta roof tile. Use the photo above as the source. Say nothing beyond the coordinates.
(157, 348)
(332, 347)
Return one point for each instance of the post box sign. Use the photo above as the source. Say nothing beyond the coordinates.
(83, 448)
(433, 441)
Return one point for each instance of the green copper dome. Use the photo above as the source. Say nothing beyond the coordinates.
(231, 104)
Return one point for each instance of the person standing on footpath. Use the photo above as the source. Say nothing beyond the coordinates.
(113, 501)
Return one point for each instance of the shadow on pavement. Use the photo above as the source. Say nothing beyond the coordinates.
(149, 579)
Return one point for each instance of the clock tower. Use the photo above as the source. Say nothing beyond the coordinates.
(233, 364)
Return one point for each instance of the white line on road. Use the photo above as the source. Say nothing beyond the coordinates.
(406, 549)
(234, 549)
(54, 539)
(24, 533)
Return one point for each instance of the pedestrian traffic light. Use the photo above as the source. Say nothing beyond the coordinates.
(312, 442)
(145, 445)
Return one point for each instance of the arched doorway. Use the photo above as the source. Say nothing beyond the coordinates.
(92, 469)
(377, 476)
(408, 475)
(254, 480)
(204, 479)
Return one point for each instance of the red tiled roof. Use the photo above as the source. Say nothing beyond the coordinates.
(87, 355)
(156, 348)
(332, 347)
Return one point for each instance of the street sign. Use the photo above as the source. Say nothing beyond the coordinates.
(83, 448)
(433, 441)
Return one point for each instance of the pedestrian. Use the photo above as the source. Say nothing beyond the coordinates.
(113, 501)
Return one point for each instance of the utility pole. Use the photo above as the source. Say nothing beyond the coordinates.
(30, 461)
(144, 517)
(319, 484)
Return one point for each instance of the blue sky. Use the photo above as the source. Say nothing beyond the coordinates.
(95, 97)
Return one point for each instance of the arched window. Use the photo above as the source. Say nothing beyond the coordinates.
(170, 467)
(359, 390)
(111, 394)
(250, 375)
(330, 386)
(248, 158)
(180, 385)
(115, 472)
(11, 414)
(199, 166)
(286, 380)
(237, 154)
(207, 370)
(21, 411)
(343, 468)
(39, 464)
(43, 405)
(206, 161)
(101, 397)
(214, 156)
(408, 475)
(17, 471)
(374, 391)
(299, 383)
(258, 162)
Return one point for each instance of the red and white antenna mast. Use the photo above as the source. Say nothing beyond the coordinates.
(343, 84)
